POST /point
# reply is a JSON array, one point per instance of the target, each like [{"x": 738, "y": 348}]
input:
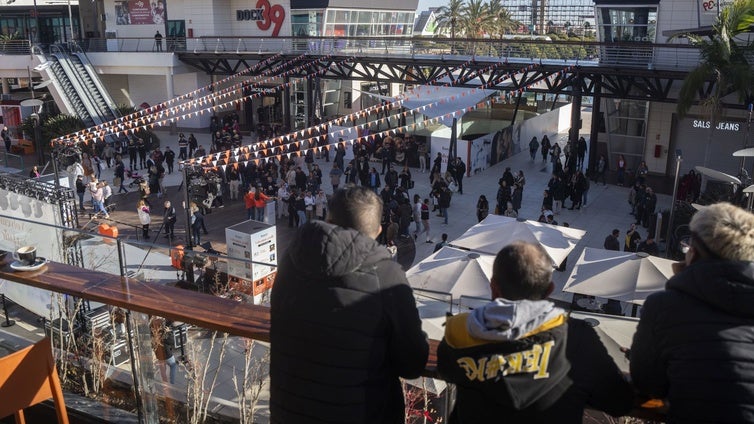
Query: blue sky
[{"x": 426, "y": 4}]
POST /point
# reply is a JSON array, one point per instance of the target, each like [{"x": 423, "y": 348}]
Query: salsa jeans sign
[{"x": 265, "y": 15}]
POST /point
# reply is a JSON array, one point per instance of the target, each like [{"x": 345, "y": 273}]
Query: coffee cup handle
[{"x": 15, "y": 257}]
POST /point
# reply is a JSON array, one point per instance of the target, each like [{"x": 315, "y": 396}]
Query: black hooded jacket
[
  {"x": 547, "y": 373},
  {"x": 695, "y": 344},
  {"x": 344, "y": 328}
]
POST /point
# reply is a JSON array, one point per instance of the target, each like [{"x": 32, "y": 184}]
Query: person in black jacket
[
  {"x": 695, "y": 341},
  {"x": 518, "y": 359},
  {"x": 344, "y": 323},
  {"x": 611, "y": 241}
]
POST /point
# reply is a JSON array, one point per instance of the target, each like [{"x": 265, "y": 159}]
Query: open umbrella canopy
[
  {"x": 496, "y": 232},
  {"x": 717, "y": 175},
  {"x": 455, "y": 271},
  {"x": 625, "y": 276}
]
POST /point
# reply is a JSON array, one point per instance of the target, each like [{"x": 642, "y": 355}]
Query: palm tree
[
  {"x": 723, "y": 59},
  {"x": 501, "y": 17},
  {"x": 450, "y": 16},
  {"x": 476, "y": 19}
]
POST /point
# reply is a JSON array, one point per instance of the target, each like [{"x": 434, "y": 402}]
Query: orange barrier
[{"x": 108, "y": 230}]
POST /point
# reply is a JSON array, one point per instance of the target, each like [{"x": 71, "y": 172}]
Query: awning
[{"x": 435, "y": 101}]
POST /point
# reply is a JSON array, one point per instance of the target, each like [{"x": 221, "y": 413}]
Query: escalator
[
  {"x": 93, "y": 85},
  {"x": 78, "y": 87},
  {"x": 68, "y": 91}
]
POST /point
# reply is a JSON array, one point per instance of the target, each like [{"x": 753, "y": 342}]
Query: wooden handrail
[{"x": 205, "y": 311}]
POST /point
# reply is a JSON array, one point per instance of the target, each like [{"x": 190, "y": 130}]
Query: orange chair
[{"x": 27, "y": 378}]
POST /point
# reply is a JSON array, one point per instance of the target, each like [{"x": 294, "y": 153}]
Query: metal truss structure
[{"x": 555, "y": 77}]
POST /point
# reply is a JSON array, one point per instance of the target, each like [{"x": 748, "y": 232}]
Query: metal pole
[
  {"x": 746, "y": 137},
  {"x": 36, "y": 26},
  {"x": 189, "y": 235},
  {"x": 678, "y": 160},
  {"x": 38, "y": 139},
  {"x": 8, "y": 322},
  {"x": 70, "y": 21},
  {"x": 31, "y": 84}
]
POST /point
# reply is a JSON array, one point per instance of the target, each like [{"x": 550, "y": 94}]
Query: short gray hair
[
  {"x": 726, "y": 230},
  {"x": 356, "y": 207}
]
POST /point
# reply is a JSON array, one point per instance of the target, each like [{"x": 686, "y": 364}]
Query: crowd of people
[{"x": 519, "y": 357}]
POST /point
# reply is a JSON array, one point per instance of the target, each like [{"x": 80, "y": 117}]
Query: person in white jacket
[{"x": 144, "y": 218}]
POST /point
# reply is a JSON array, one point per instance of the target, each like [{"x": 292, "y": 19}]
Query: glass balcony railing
[
  {"x": 520, "y": 48},
  {"x": 153, "y": 331},
  {"x": 157, "y": 334}
]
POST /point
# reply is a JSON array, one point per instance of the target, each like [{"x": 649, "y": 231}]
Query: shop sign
[
  {"x": 265, "y": 15},
  {"x": 721, "y": 126}
]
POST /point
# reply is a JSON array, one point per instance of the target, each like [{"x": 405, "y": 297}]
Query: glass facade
[
  {"x": 306, "y": 23},
  {"x": 54, "y": 26},
  {"x": 541, "y": 16},
  {"x": 626, "y": 125},
  {"x": 624, "y": 24},
  {"x": 352, "y": 23}
]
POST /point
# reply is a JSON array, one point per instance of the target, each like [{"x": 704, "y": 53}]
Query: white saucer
[{"x": 39, "y": 263}]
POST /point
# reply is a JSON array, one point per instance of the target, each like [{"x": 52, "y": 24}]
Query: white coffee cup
[{"x": 26, "y": 255}]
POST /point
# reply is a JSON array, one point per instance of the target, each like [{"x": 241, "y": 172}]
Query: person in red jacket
[
  {"x": 250, "y": 203},
  {"x": 260, "y": 204}
]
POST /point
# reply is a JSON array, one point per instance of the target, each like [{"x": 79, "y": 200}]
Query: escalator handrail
[{"x": 82, "y": 57}]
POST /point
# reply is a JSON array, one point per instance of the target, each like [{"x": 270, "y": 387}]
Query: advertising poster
[
  {"x": 139, "y": 12},
  {"x": 254, "y": 241}
]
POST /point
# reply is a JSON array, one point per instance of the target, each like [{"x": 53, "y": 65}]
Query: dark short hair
[
  {"x": 356, "y": 207},
  {"x": 616, "y": 232},
  {"x": 522, "y": 271}
]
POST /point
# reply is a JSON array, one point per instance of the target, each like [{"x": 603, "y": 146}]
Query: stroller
[{"x": 136, "y": 179}]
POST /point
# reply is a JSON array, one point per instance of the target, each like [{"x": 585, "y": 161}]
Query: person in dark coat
[
  {"x": 694, "y": 344},
  {"x": 459, "y": 173},
  {"x": 545, "y": 147},
  {"x": 611, "y": 241},
  {"x": 649, "y": 246},
  {"x": 581, "y": 150},
  {"x": 482, "y": 352},
  {"x": 344, "y": 323},
  {"x": 650, "y": 203}
]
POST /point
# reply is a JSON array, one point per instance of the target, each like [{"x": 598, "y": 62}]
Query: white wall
[
  {"x": 550, "y": 123},
  {"x": 206, "y": 18}
]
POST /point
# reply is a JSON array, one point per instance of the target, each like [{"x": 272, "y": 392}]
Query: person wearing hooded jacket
[
  {"x": 344, "y": 323},
  {"x": 694, "y": 344},
  {"x": 518, "y": 359}
]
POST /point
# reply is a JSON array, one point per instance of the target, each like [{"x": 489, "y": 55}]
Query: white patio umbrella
[
  {"x": 455, "y": 271},
  {"x": 625, "y": 276},
  {"x": 744, "y": 153},
  {"x": 496, "y": 232},
  {"x": 717, "y": 175}
]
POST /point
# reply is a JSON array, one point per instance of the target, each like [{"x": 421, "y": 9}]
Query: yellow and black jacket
[{"x": 511, "y": 362}]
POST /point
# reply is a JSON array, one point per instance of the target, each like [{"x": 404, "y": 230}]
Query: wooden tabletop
[{"x": 202, "y": 310}]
